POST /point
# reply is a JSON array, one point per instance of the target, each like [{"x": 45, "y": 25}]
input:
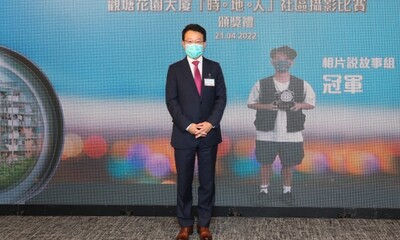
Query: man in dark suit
[{"x": 196, "y": 99}]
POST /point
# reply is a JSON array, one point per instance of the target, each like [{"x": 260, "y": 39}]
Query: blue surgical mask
[
  {"x": 282, "y": 66},
  {"x": 194, "y": 50}
]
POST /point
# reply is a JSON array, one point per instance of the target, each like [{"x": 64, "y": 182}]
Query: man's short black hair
[
  {"x": 289, "y": 52},
  {"x": 196, "y": 28}
]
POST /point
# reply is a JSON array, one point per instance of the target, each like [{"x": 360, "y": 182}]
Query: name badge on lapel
[{"x": 209, "y": 82}]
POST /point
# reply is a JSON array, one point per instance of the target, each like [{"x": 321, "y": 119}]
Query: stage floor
[{"x": 223, "y": 228}]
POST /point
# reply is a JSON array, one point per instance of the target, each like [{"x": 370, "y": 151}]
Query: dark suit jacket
[{"x": 186, "y": 106}]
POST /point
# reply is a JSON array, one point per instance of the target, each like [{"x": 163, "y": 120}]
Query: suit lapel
[
  {"x": 187, "y": 73},
  {"x": 206, "y": 68}
]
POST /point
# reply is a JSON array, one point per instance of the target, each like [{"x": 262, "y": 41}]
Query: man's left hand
[{"x": 202, "y": 129}]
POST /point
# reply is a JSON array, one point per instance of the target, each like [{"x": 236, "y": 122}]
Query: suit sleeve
[{"x": 171, "y": 98}]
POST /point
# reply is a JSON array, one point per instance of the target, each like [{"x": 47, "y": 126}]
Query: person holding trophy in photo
[{"x": 279, "y": 101}]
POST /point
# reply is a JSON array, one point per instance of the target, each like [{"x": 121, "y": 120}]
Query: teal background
[{"x": 89, "y": 52}]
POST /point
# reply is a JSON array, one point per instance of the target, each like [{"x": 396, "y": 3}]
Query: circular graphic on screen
[{"x": 31, "y": 128}]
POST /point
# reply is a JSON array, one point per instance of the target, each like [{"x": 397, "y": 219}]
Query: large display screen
[{"x": 84, "y": 119}]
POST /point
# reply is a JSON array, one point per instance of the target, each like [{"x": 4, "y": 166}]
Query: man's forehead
[{"x": 194, "y": 34}]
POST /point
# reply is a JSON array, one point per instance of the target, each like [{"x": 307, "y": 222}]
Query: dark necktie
[{"x": 197, "y": 76}]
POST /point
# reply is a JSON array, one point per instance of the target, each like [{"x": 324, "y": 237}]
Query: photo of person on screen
[
  {"x": 196, "y": 100},
  {"x": 279, "y": 101}
]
